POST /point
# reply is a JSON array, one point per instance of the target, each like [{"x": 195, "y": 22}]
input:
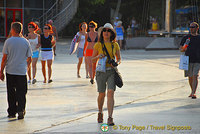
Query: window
[
  {"x": 1, "y": 3},
  {"x": 31, "y": 15},
  {"x": 15, "y": 4},
  {"x": 33, "y": 4}
]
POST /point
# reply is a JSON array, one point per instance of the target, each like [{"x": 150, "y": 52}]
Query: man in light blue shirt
[{"x": 16, "y": 57}]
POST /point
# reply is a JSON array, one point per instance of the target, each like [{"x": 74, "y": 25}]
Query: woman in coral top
[{"x": 92, "y": 38}]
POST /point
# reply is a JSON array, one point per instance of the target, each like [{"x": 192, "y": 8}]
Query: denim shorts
[
  {"x": 105, "y": 79},
  {"x": 35, "y": 54},
  {"x": 79, "y": 52},
  {"x": 120, "y": 37}
]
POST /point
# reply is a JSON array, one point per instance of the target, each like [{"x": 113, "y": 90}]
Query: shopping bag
[
  {"x": 184, "y": 62},
  {"x": 101, "y": 66}
]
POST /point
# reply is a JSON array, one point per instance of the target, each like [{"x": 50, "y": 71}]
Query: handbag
[
  {"x": 184, "y": 62},
  {"x": 101, "y": 66},
  {"x": 117, "y": 77}
]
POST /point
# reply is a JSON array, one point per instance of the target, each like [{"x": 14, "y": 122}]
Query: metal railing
[
  {"x": 61, "y": 13},
  {"x": 66, "y": 14}
]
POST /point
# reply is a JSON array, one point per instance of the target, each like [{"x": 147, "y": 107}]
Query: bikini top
[{"x": 89, "y": 39}]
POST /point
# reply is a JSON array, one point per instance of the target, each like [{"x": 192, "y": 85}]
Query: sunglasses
[
  {"x": 46, "y": 28},
  {"x": 192, "y": 27},
  {"x": 31, "y": 27},
  {"x": 91, "y": 26},
  {"x": 108, "y": 30}
]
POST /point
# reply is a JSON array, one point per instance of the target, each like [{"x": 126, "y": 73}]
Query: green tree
[
  {"x": 88, "y": 10},
  {"x": 99, "y": 11}
]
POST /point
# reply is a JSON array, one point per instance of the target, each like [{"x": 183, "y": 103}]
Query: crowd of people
[{"x": 21, "y": 53}]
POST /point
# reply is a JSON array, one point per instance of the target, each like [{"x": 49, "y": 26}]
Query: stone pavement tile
[{"x": 148, "y": 115}]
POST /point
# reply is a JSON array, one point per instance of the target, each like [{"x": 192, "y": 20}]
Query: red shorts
[{"x": 89, "y": 52}]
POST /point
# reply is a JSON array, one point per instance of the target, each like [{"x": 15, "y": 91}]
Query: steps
[
  {"x": 151, "y": 43},
  {"x": 163, "y": 43},
  {"x": 61, "y": 13}
]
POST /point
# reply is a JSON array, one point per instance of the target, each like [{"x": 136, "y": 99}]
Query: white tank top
[
  {"x": 34, "y": 43},
  {"x": 82, "y": 41}
]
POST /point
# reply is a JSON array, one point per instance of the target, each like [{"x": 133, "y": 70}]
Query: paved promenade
[{"x": 154, "y": 98}]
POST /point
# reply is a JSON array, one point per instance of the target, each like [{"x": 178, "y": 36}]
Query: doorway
[{"x": 12, "y": 15}]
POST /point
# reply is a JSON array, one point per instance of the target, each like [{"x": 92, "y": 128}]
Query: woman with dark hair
[
  {"x": 106, "y": 42},
  {"x": 80, "y": 50},
  {"x": 34, "y": 40},
  {"x": 47, "y": 43},
  {"x": 92, "y": 38}
]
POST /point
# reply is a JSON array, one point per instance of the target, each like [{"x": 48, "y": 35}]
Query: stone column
[{"x": 167, "y": 16}]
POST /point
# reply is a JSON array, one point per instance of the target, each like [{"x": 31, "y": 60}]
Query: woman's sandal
[
  {"x": 50, "y": 81},
  {"x": 194, "y": 96},
  {"x": 78, "y": 76}
]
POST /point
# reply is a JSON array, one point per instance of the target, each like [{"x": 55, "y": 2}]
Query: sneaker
[
  {"x": 100, "y": 118},
  {"x": 34, "y": 81},
  {"x": 50, "y": 81},
  {"x": 87, "y": 77},
  {"x": 194, "y": 96},
  {"x": 11, "y": 116},
  {"x": 29, "y": 81},
  {"x": 110, "y": 122},
  {"x": 21, "y": 115},
  {"x": 92, "y": 81}
]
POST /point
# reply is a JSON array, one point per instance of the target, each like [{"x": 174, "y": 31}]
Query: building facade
[{"x": 21, "y": 10}]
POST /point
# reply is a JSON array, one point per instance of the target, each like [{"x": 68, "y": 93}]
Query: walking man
[
  {"x": 192, "y": 49},
  {"x": 16, "y": 57}
]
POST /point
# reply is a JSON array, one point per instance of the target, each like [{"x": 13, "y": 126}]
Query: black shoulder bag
[{"x": 117, "y": 77}]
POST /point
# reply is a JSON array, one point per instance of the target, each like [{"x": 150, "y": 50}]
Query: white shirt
[
  {"x": 34, "y": 43},
  {"x": 82, "y": 41}
]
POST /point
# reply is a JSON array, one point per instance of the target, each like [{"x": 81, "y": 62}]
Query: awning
[{"x": 186, "y": 10}]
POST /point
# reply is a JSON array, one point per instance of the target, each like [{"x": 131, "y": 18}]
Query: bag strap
[{"x": 104, "y": 48}]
